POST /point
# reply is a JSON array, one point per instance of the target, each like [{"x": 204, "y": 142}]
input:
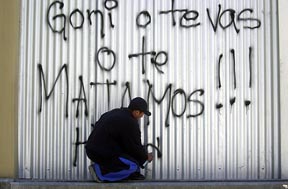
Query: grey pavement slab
[{"x": 37, "y": 184}]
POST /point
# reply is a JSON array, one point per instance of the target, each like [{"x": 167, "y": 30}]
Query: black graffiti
[
  {"x": 250, "y": 67},
  {"x": 169, "y": 88},
  {"x": 158, "y": 60},
  {"x": 197, "y": 102},
  {"x": 128, "y": 89},
  {"x": 186, "y": 100},
  {"x": 219, "y": 106},
  {"x": 145, "y": 14},
  {"x": 186, "y": 18},
  {"x": 182, "y": 92},
  {"x": 57, "y": 6},
  {"x": 108, "y": 51},
  {"x": 82, "y": 19},
  {"x": 171, "y": 100},
  {"x": 189, "y": 15},
  {"x": 143, "y": 54},
  {"x": 108, "y": 84},
  {"x": 159, "y": 64},
  {"x": 173, "y": 11},
  {"x": 159, "y": 153},
  {"x": 79, "y": 99},
  {"x": 232, "y": 51},
  {"x": 110, "y": 18},
  {"x": 157, "y": 148},
  {"x": 48, "y": 95},
  {"x": 232, "y": 101},
  {"x": 218, "y": 71},
  {"x": 171, "y": 96},
  {"x": 232, "y": 22},
  {"x": 77, "y": 143},
  {"x": 234, "y": 68},
  {"x": 154, "y": 59},
  {"x": 231, "y": 12},
  {"x": 110, "y": 8},
  {"x": 63, "y": 29},
  {"x": 234, "y": 17},
  {"x": 247, "y": 102},
  {"x": 158, "y": 141},
  {"x": 97, "y": 12},
  {"x": 258, "y": 22}
]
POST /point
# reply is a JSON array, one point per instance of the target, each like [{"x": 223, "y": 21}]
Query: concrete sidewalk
[{"x": 32, "y": 184}]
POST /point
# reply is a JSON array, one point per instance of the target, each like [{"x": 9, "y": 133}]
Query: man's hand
[{"x": 150, "y": 157}]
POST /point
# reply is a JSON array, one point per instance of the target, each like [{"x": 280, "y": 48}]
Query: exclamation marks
[
  {"x": 234, "y": 68},
  {"x": 248, "y": 102},
  {"x": 219, "y": 105},
  {"x": 232, "y": 100},
  {"x": 250, "y": 67}
]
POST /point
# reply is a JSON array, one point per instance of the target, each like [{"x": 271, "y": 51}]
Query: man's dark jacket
[{"x": 117, "y": 132}]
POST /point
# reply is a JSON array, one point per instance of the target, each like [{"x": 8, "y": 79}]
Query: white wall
[
  {"x": 226, "y": 140},
  {"x": 283, "y": 43}
]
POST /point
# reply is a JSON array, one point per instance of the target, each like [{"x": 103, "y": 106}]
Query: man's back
[
  {"x": 115, "y": 147},
  {"x": 115, "y": 133}
]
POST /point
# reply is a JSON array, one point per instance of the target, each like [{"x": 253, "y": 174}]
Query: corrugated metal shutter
[{"x": 209, "y": 70}]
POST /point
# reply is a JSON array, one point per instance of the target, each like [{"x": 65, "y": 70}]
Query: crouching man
[{"x": 115, "y": 146}]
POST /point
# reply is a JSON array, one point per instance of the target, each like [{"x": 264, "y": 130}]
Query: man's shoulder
[{"x": 120, "y": 114}]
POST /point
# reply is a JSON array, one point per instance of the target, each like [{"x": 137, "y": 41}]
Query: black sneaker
[{"x": 136, "y": 176}]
